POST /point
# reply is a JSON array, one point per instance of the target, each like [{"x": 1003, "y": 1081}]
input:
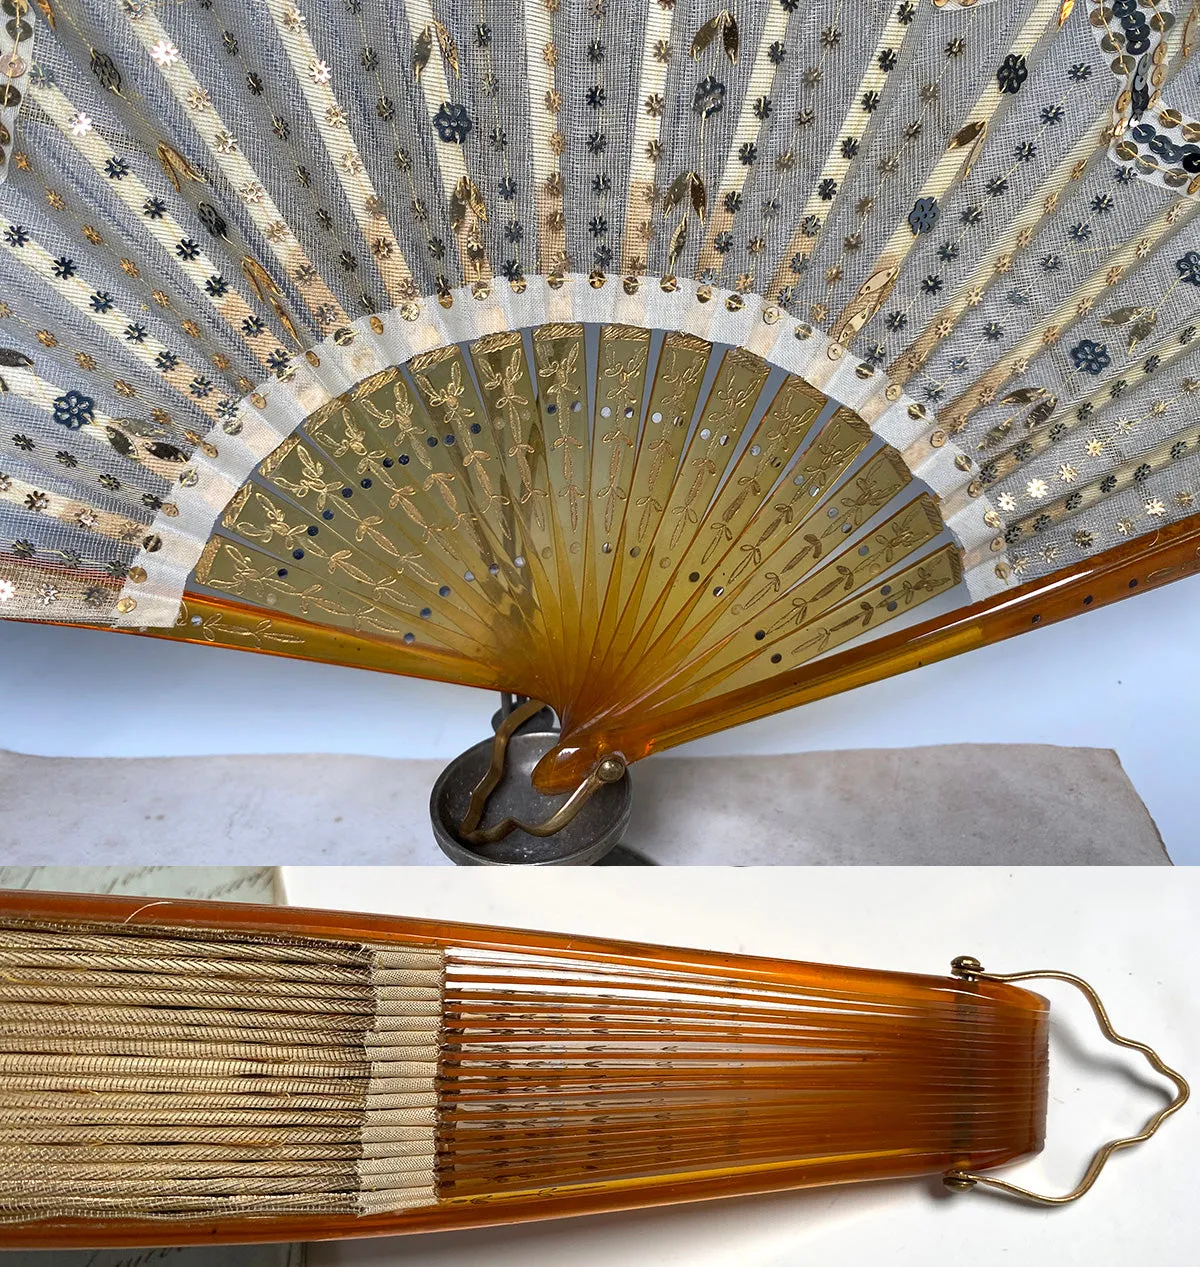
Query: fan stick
[
  {"x": 1139, "y": 564},
  {"x": 741, "y": 500},
  {"x": 616, "y": 428},
  {"x": 786, "y": 585}
]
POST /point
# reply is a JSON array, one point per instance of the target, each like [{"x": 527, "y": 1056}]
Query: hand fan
[
  {"x": 178, "y": 1072},
  {"x": 659, "y": 362}
]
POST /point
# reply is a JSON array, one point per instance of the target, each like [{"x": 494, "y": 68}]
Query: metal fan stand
[{"x": 491, "y": 783}]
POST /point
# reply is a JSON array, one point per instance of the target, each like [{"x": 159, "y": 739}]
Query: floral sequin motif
[
  {"x": 74, "y": 410},
  {"x": 1013, "y": 72},
  {"x": 453, "y": 122},
  {"x": 924, "y": 215},
  {"x": 1188, "y": 267},
  {"x": 1090, "y": 357}
]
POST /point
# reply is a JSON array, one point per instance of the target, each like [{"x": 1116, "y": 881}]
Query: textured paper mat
[{"x": 991, "y": 804}]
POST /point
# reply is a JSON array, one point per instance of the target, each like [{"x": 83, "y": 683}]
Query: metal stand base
[{"x": 594, "y": 832}]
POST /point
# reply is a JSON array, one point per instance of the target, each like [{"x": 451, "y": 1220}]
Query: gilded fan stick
[
  {"x": 658, "y": 362},
  {"x": 198, "y": 1072}
]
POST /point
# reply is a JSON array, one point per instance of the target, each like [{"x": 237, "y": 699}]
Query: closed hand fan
[
  {"x": 197, "y": 1072},
  {"x": 664, "y": 364}
]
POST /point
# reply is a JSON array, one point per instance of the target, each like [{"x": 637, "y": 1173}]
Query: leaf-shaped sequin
[
  {"x": 679, "y": 240},
  {"x": 166, "y": 452},
  {"x": 725, "y": 25},
  {"x": 119, "y": 441},
  {"x": 106, "y": 72},
  {"x": 1122, "y": 316},
  {"x": 699, "y": 194},
  {"x": 730, "y": 36},
  {"x": 449, "y": 48},
  {"x": 705, "y": 36},
  {"x": 422, "y": 47},
  {"x": 1142, "y": 328}
]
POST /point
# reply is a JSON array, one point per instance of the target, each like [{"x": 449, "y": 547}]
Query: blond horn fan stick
[{"x": 658, "y": 364}]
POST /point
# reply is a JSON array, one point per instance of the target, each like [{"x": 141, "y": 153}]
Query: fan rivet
[
  {"x": 481, "y": 291},
  {"x": 963, "y": 462},
  {"x": 997, "y": 544},
  {"x": 556, "y": 281},
  {"x": 610, "y": 770},
  {"x": 771, "y": 314},
  {"x": 993, "y": 520},
  {"x": 916, "y": 410},
  {"x": 704, "y": 294},
  {"x": 974, "y": 489},
  {"x": 893, "y": 392},
  {"x": 376, "y": 325},
  {"x": 126, "y": 605},
  {"x": 669, "y": 284},
  {"x": 596, "y": 279},
  {"x": 864, "y": 371},
  {"x": 835, "y": 351},
  {"x": 258, "y": 400},
  {"x": 803, "y": 330},
  {"x": 631, "y": 285},
  {"x": 232, "y": 427},
  {"x": 137, "y": 575},
  {"x": 937, "y": 439},
  {"x": 343, "y": 336},
  {"x": 1002, "y": 571}
]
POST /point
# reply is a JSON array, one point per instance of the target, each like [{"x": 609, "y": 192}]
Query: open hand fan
[
  {"x": 182, "y": 1072},
  {"x": 644, "y": 358}
]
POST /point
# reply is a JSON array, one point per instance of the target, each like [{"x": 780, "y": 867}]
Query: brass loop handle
[
  {"x": 610, "y": 770},
  {"x": 969, "y": 969}
]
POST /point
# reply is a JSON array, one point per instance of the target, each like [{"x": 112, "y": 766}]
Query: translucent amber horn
[{"x": 182, "y": 1072}]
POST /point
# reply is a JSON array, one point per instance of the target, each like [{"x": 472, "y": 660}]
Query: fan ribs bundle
[{"x": 214, "y": 1073}]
